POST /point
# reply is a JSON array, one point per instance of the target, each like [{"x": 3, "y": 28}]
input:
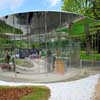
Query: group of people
[{"x": 48, "y": 55}]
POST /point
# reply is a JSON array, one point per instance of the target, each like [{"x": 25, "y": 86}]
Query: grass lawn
[
  {"x": 24, "y": 93},
  {"x": 41, "y": 94},
  {"x": 23, "y": 62},
  {"x": 20, "y": 62}
]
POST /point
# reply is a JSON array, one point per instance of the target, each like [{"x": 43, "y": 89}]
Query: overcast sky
[{"x": 15, "y": 6}]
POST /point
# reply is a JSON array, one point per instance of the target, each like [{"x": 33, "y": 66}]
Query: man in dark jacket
[{"x": 7, "y": 57}]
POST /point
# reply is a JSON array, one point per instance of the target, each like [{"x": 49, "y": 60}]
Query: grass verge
[{"x": 24, "y": 93}]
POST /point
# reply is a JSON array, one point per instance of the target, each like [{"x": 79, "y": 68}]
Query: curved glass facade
[{"x": 40, "y": 46}]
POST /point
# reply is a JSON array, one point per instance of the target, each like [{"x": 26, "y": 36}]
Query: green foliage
[
  {"x": 7, "y": 43},
  {"x": 20, "y": 43},
  {"x": 35, "y": 45},
  {"x": 5, "y": 28},
  {"x": 77, "y": 29},
  {"x": 77, "y": 6},
  {"x": 90, "y": 8},
  {"x": 94, "y": 56},
  {"x": 2, "y": 60}
]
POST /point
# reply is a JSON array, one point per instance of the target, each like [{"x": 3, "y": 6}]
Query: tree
[
  {"x": 90, "y": 8},
  {"x": 78, "y": 6}
]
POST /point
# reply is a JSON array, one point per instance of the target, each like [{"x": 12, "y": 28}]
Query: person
[
  {"x": 13, "y": 62},
  {"x": 7, "y": 57},
  {"x": 49, "y": 61},
  {"x": 54, "y": 59}
]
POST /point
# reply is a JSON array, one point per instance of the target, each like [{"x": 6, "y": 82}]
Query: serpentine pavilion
[{"x": 48, "y": 46}]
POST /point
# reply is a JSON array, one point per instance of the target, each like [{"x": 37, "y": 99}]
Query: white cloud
[
  {"x": 16, "y": 3},
  {"x": 10, "y": 4},
  {"x": 54, "y": 2}
]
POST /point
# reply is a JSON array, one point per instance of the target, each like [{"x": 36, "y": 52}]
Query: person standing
[
  {"x": 13, "y": 62},
  {"x": 49, "y": 61},
  {"x": 7, "y": 57}
]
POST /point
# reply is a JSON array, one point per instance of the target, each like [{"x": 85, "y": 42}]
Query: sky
[{"x": 16, "y": 6}]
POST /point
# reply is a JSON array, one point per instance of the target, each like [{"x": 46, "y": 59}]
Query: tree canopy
[{"x": 90, "y": 8}]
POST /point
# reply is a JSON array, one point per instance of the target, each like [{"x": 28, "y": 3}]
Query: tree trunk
[
  {"x": 98, "y": 41},
  {"x": 88, "y": 39}
]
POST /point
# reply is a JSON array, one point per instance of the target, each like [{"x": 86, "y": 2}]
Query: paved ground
[
  {"x": 70, "y": 75},
  {"x": 38, "y": 73},
  {"x": 83, "y": 89},
  {"x": 44, "y": 77}
]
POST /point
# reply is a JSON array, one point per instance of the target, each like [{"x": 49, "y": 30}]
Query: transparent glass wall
[{"x": 46, "y": 44}]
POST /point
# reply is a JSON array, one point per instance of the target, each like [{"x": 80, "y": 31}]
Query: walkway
[
  {"x": 40, "y": 78},
  {"x": 83, "y": 89}
]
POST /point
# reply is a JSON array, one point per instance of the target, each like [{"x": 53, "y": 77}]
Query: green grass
[
  {"x": 94, "y": 56},
  {"x": 23, "y": 62},
  {"x": 39, "y": 93}
]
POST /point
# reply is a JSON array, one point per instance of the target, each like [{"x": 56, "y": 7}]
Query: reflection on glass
[{"x": 45, "y": 43}]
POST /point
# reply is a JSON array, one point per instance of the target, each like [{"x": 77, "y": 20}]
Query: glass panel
[{"x": 40, "y": 46}]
